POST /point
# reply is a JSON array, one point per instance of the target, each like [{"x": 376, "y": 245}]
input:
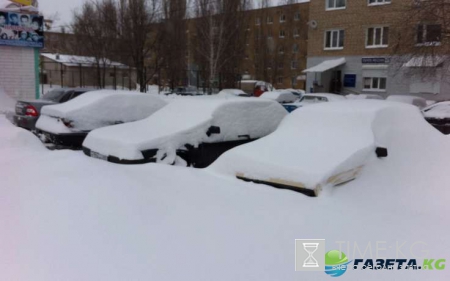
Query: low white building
[{"x": 21, "y": 37}]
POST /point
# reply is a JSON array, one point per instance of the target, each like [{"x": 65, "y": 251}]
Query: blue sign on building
[{"x": 350, "y": 80}]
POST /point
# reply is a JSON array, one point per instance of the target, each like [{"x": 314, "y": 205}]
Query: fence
[{"x": 78, "y": 75}]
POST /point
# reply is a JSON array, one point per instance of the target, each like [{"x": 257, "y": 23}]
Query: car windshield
[
  {"x": 54, "y": 95},
  {"x": 314, "y": 99}
]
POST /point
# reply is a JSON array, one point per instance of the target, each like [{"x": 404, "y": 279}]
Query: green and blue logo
[{"x": 336, "y": 263}]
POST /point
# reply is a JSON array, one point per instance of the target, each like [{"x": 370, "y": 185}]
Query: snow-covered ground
[{"x": 65, "y": 216}]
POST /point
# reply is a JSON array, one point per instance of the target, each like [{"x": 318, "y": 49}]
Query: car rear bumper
[
  {"x": 26, "y": 122},
  {"x": 73, "y": 140}
]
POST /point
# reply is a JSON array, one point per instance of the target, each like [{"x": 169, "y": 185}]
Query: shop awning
[
  {"x": 325, "y": 65},
  {"x": 425, "y": 61}
]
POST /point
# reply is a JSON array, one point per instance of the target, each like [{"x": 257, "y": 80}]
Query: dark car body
[
  {"x": 27, "y": 112},
  {"x": 438, "y": 115}
]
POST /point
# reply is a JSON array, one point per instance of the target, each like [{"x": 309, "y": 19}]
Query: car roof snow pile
[
  {"x": 186, "y": 122},
  {"x": 98, "y": 109},
  {"x": 320, "y": 145}
]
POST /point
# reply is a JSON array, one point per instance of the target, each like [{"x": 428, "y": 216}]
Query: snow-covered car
[
  {"x": 299, "y": 93},
  {"x": 232, "y": 93},
  {"x": 323, "y": 145},
  {"x": 364, "y": 97},
  {"x": 438, "y": 115},
  {"x": 189, "y": 132},
  {"x": 28, "y": 111},
  {"x": 68, "y": 124},
  {"x": 282, "y": 96},
  {"x": 309, "y": 99},
  {"x": 413, "y": 100}
]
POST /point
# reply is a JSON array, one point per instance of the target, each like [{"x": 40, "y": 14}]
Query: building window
[
  {"x": 294, "y": 64},
  {"x": 283, "y": 18},
  {"x": 377, "y": 37},
  {"x": 375, "y": 83},
  {"x": 335, "y": 4},
  {"x": 296, "y": 33},
  {"x": 281, "y": 50},
  {"x": 280, "y": 80},
  {"x": 429, "y": 33},
  {"x": 282, "y": 33},
  {"x": 334, "y": 39},
  {"x": 379, "y": 2},
  {"x": 280, "y": 65},
  {"x": 297, "y": 16},
  {"x": 295, "y": 49},
  {"x": 294, "y": 81},
  {"x": 269, "y": 19},
  {"x": 258, "y": 21}
]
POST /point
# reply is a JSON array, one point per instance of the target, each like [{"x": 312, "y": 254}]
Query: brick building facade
[
  {"x": 351, "y": 49},
  {"x": 276, "y": 45}
]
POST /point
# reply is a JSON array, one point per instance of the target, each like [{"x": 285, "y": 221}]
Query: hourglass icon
[{"x": 310, "y": 248}]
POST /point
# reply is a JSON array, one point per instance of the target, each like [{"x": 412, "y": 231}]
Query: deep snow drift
[
  {"x": 7, "y": 103},
  {"x": 64, "y": 216}
]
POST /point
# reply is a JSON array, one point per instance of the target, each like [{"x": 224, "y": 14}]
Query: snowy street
[{"x": 65, "y": 216}]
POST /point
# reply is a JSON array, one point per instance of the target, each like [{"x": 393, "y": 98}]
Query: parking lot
[{"x": 64, "y": 214}]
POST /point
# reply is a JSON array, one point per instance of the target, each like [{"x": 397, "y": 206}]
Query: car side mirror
[
  {"x": 381, "y": 152},
  {"x": 213, "y": 130}
]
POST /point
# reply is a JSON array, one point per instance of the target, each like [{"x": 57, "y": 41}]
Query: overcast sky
[{"x": 63, "y": 7}]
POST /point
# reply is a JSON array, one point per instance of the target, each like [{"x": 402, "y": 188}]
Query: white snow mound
[
  {"x": 7, "y": 103},
  {"x": 313, "y": 145},
  {"x": 186, "y": 122},
  {"x": 280, "y": 96},
  {"x": 98, "y": 109}
]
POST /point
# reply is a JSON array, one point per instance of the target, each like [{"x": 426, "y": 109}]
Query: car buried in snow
[
  {"x": 309, "y": 99},
  {"x": 189, "y": 132},
  {"x": 438, "y": 115},
  {"x": 28, "y": 111},
  {"x": 67, "y": 125},
  {"x": 327, "y": 144}
]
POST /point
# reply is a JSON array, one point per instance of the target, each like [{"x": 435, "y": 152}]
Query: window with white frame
[
  {"x": 282, "y": 33},
  {"x": 377, "y": 37},
  {"x": 429, "y": 33},
  {"x": 379, "y": 2},
  {"x": 280, "y": 80},
  {"x": 335, "y": 4},
  {"x": 258, "y": 21},
  {"x": 334, "y": 39},
  {"x": 269, "y": 19},
  {"x": 282, "y": 18},
  {"x": 295, "y": 48},
  {"x": 281, "y": 50},
  {"x": 296, "y": 33},
  {"x": 297, "y": 16},
  {"x": 375, "y": 83},
  {"x": 294, "y": 64}
]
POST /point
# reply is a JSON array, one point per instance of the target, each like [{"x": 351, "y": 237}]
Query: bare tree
[
  {"x": 95, "y": 28},
  {"x": 422, "y": 40},
  {"x": 219, "y": 42},
  {"x": 139, "y": 25},
  {"x": 174, "y": 27}
]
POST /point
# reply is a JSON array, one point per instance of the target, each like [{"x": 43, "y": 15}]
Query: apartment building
[
  {"x": 276, "y": 45},
  {"x": 352, "y": 48}
]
